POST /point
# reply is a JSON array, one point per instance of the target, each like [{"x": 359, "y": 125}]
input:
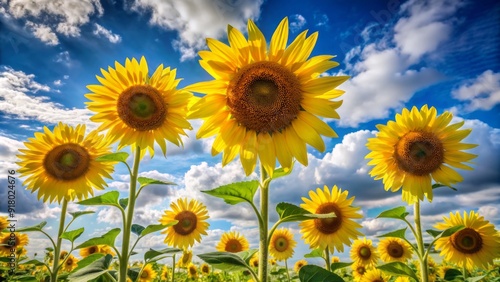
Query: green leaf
[
  {"x": 445, "y": 233},
  {"x": 113, "y": 157},
  {"x": 73, "y": 234},
  {"x": 133, "y": 273},
  {"x": 107, "y": 199},
  {"x": 400, "y": 233},
  {"x": 452, "y": 274},
  {"x": 397, "y": 212},
  {"x": 87, "y": 260},
  {"x": 316, "y": 253},
  {"x": 280, "y": 271},
  {"x": 137, "y": 229},
  {"x": 144, "y": 181},
  {"x": 149, "y": 255},
  {"x": 289, "y": 212},
  {"x": 225, "y": 261},
  {"x": 26, "y": 278},
  {"x": 156, "y": 227},
  {"x": 37, "y": 227},
  {"x": 34, "y": 262},
  {"x": 77, "y": 214},
  {"x": 314, "y": 273},
  {"x": 433, "y": 233},
  {"x": 246, "y": 255},
  {"x": 280, "y": 172},
  {"x": 398, "y": 268},
  {"x": 339, "y": 265},
  {"x": 106, "y": 239},
  {"x": 92, "y": 271},
  {"x": 435, "y": 186},
  {"x": 235, "y": 193},
  {"x": 123, "y": 203}
]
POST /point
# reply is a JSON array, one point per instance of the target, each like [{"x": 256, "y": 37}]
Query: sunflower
[
  {"x": 192, "y": 271},
  {"x": 374, "y": 275},
  {"x": 475, "y": 245},
  {"x": 205, "y": 269},
  {"x": 191, "y": 217},
  {"x": 416, "y": 148},
  {"x": 4, "y": 223},
  {"x": 363, "y": 252},
  {"x": 62, "y": 164},
  {"x": 299, "y": 264},
  {"x": 147, "y": 274},
  {"x": 187, "y": 256},
  {"x": 87, "y": 251},
  {"x": 107, "y": 250},
  {"x": 394, "y": 249},
  {"x": 282, "y": 244},
  {"x": 139, "y": 109},
  {"x": 330, "y": 232},
  {"x": 63, "y": 255},
  {"x": 335, "y": 259},
  {"x": 359, "y": 270},
  {"x": 232, "y": 242},
  {"x": 264, "y": 102},
  {"x": 12, "y": 241},
  {"x": 254, "y": 260},
  {"x": 403, "y": 279},
  {"x": 165, "y": 274},
  {"x": 70, "y": 263}
]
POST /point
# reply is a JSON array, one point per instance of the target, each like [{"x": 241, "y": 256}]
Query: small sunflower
[
  {"x": 165, "y": 274},
  {"x": 62, "y": 164},
  {"x": 4, "y": 223},
  {"x": 232, "y": 242},
  {"x": 394, "y": 249},
  {"x": 418, "y": 147},
  {"x": 254, "y": 261},
  {"x": 205, "y": 269},
  {"x": 139, "y": 109},
  {"x": 63, "y": 255},
  {"x": 478, "y": 244},
  {"x": 264, "y": 102},
  {"x": 191, "y": 217},
  {"x": 70, "y": 263},
  {"x": 185, "y": 260},
  {"x": 9, "y": 241},
  {"x": 330, "y": 232},
  {"x": 282, "y": 244},
  {"x": 107, "y": 250},
  {"x": 87, "y": 251},
  {"x": 192, "y": 271},
  {"x": 359, "y": 270},
  {"x": 363, "y": 252},
  {"x": 335, "y": 259},
  {"x": 299, "y": 264},
  {"x": 147, "y": 274},
  {"x": 374, "y": 275}
]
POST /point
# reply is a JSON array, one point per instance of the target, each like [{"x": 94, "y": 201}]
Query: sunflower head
[
  {"x": 362, "y": 251},
  {"x": 192, "y": 271},
  {"x": 165, "y": 274},
  {"x": 139, "y": 109},
  {"x": 477, "y": 244},
  {"x": 191, "y": 219},
  {"x": 359, "y": 270},
  {"x": 87, "y": 251},
  {"x": 299, "y": 264},
  {"x": 61, "y": 164},
  {"x": 374, "y": 275},
  {"x": 3, "y": 223},
  {"x": 70, "y": 263},
  {"x": 205, "y": 269},
  {"x": 416, "y": 148},
  {"x": 185, "y": 260},
  {"x": 11, "y": 241},
  {"x": 282, "y": 244},
  {"x": 334, "y": 232},
  {"x": 263, "y": 102},
  {"x": 394, "y": 249},
  {"x": 147, "y": 274},
  {"x": 232, "y": 242},
  {"x": 254, "y": 261}
]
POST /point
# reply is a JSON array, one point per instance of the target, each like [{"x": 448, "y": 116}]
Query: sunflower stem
[
  {"x": 420, "y": 244},
  {"x": 287, "y": 271},
  {"x": 464, "y": 269},
  {"x": 264, "y": 212},
  {"x": 127, "y": 224},
  {"x": 57, "y": 251},
  {"x": 173, "y": 268},
  {"x": 327, "y": 259}
]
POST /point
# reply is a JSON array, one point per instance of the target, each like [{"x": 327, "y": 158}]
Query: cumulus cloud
[
  {"x": 481, "y": 93},
  {"x": 106, "y": 33},
  {"x": 297, "y": 22},
  {"x": 44, "y": 33},
  {"x": 184, "y": 17}
]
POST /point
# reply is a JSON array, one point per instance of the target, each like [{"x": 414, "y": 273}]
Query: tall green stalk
[
  {"x": 424, "y": 271},
  {"x": 127, "y": 224},
  {"x": 57, "y": 251},
  {"x": 264, "y": 224},
  {"x": 327, "y": 259}
]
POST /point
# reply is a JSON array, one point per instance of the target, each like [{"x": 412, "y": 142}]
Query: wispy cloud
[
  {"x": 481, "y": 93},
  {"x": 297, "y": 22},
  {"x": 106, "y": 33}
]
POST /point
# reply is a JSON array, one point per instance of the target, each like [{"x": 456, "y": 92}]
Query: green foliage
[
  {"x": 150, "y": 255},
  {"x": 144, "y": 181},
  {"x": 73, "y": 234},
  {"x": 289, "y": 212},
  {"x": 107, "y": 199},
  {"x": 235, "y": 193},
  {"x": 225, "y": 261},
  {"x": 77, "y": 214},
  {"x": 92, "y": 271},
  {"x": 106, "y": 239},
  {"x": 316, "y": 253},
  {"x": 113, "y": 157},
  {"x": 397, "y": 213},
  {"x": 314, "y": 273},
  {"x": 340, "y": 265},
  {"x": 37, "y": 227},
  {"x": 400, "y": 233},
  {"x": 398, "y": 268}
]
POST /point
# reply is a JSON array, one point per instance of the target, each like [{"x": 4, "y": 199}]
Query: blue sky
[{"x": 398, "y": 54}]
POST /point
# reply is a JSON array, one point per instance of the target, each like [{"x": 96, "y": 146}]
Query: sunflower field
[{"x": 266, "y": 103}]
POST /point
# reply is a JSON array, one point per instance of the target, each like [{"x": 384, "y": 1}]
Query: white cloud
[
  {"x": 321, "y": 19},
  {"x": 57, "y": 82},
  {"x": 481, "y": 93},
  {"x": 108, "y": 34},
  {"x": 44, "y": 33},
  {"x": 297, "y": 22},
  {"x": 184, "y": 16},
  {"x": 489, "y": 212},
  {"x": 63, "y": 58}
]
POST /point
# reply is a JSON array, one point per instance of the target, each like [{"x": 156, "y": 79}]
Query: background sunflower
[
  {"x": 394, "y": 249},
  {"x": 232, "y": 242},
  {"x": 282, "y": 244},
  {"x": 363, "y": 252}
]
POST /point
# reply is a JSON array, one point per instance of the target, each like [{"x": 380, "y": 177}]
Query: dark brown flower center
[
  {"x": 187, "y": 222},
  {"x": 328, "y": 225},
  {"x": 192, "y": 270},
  {"x": 419, "y": 153},
  {"x": 264, "y": 96},
  {"x": 467, "y": 241},
  {"x": 69, "y": 261},
  {"x": 361, "y": 270},
  {"x": 142, "y": 107},
  {"x": 395, "y": 250},
  {"x": 67, "y": 162},
  {"x": 92, "y": 249},
  {"x": 281, "y": 244},
  {"x": 233, "y": 246},
  {"x": 144, "y": 274},
  {"x": 205, "y": 268},
  {"x": 364, "y": 252}
]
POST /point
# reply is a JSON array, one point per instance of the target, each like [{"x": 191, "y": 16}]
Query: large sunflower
[
  {"x": 330, "y": 232},
  {"x": 416, "y": 148},
  {"x": 394, "y": 249},
  {"x": 62, "y": 164},
  {"x": 263, "y": 102},
  {"x": 137, "y": 108},
  {"x": 232, "y": 242},
  {"x": 363, "y": 252},
  {"x": 475, "y": 245},
  {"x": 282, "y": 244},
  {"x": 12, "y": 241},
  {"x": 147, "y": 274},
  {"x": 191, "y": 217}
]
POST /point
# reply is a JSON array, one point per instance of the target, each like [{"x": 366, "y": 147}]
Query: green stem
[
  {"x": 287, "y": 272},
  {"x": 173, "y": 268},
  {"x": 420, "y": 243},
  {"x": 464, "y": 269},
  {"x": 127, "y": 224},
  {"x": 264, "y": 213},
  {"x": 57, "y": 251},
  {"x": 327, "y": 259}
]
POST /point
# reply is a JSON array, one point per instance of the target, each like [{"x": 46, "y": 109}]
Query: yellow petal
[
  {"x": 257, "y": 42},
  {"x": 278, "y": 41}
]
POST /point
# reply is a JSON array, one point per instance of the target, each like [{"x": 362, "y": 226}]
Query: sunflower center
[
  {"x": 264, "y": 96},
  {"x": 192, "y": 270},
  {"x": 328, "y": 225},
  {"x": 281, "y": 244},
  {"x": 69, "y": 261},
  {"x": 144, "y": 274},
  {"x": 233, "y": 246},
  {"x": 361, "y": 270},
  {"x": 365, "y": 252},
  {"x": 187, "y": 222},
  {"x": 67, "y": 161},
  {"x": 419, "y": 153},
  {"x": 92, "y": 249},
  {"x": 142, "y": 107},
  {"x": 467, "y": 241},
  {"x": 395, "y": 250}
]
